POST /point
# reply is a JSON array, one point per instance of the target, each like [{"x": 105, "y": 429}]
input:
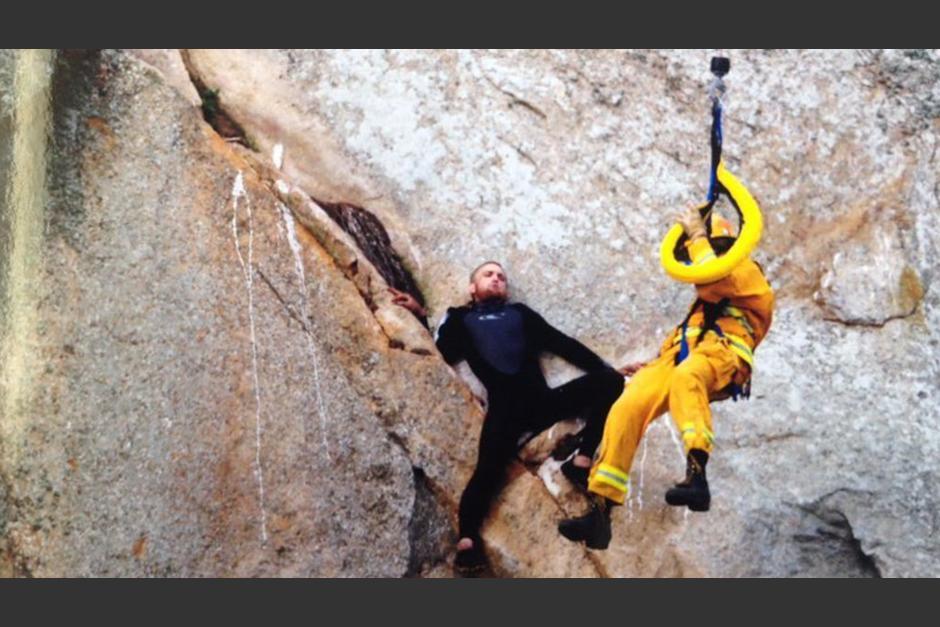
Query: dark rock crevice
[
  {"x": 212, "y": 110},
  {"x": 836, "y": 531},
  {"x": 430, "y": 531},
  {"x": 373, "y": 241},
  {"x": 344, "y": 255}
]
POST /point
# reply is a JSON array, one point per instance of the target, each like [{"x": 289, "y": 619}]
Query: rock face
[
  {"x": 870, "y": 281},
  {"x": 208, "y": 376}
]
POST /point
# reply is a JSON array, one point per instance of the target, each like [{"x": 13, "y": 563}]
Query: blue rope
[{"x": 716, "y": 150}]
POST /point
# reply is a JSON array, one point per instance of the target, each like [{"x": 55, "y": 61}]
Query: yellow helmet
[{"x": 720, "y": 227}]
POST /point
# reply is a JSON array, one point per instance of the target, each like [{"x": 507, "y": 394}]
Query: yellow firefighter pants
[{"x": 660, "y": 385}]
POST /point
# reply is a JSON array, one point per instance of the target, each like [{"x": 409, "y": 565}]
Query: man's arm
[
  {"x": 409, "y": 302},
  {"x": 631, "y": 369},
  {"x": 448, "y": 337},
  {"x": 700, "y": 251},
  {"x": 568, "y": 348}
]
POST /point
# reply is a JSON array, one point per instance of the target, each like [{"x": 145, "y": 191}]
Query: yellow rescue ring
[{"x": 717, "y": 268}]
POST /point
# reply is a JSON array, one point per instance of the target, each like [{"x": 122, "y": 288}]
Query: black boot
[
  {"x": 471, "y": 562},
  {"x": 693, "y": 491},
  {"x": 593, "y": 528}
]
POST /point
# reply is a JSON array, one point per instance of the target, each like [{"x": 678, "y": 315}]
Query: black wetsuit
[{"x": 502, "y": 342}]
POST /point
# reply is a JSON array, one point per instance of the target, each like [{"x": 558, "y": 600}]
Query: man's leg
[
  {"x": 709, "y": 368},
  {"x": 497, "y": 448},
  {"x": 589, "y": 396},
  {"x": 643, "y": 400}
]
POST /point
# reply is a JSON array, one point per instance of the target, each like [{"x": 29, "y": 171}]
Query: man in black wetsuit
[{"x": 502, "y": 341}]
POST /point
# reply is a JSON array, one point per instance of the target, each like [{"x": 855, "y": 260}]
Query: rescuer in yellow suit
[{"x": 709, "y": 356}]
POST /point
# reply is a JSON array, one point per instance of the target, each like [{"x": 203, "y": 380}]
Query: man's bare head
[{"x": 488, "y": 282}]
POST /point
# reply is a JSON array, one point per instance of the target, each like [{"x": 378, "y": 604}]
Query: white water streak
[
  {"x": 639, "y": 492},
  {"x": 675, "y": 439},
  {"x": 547, "y": 472},
  {"x": 238, "y": 191},
  {"x": 299, "y": 266}
]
